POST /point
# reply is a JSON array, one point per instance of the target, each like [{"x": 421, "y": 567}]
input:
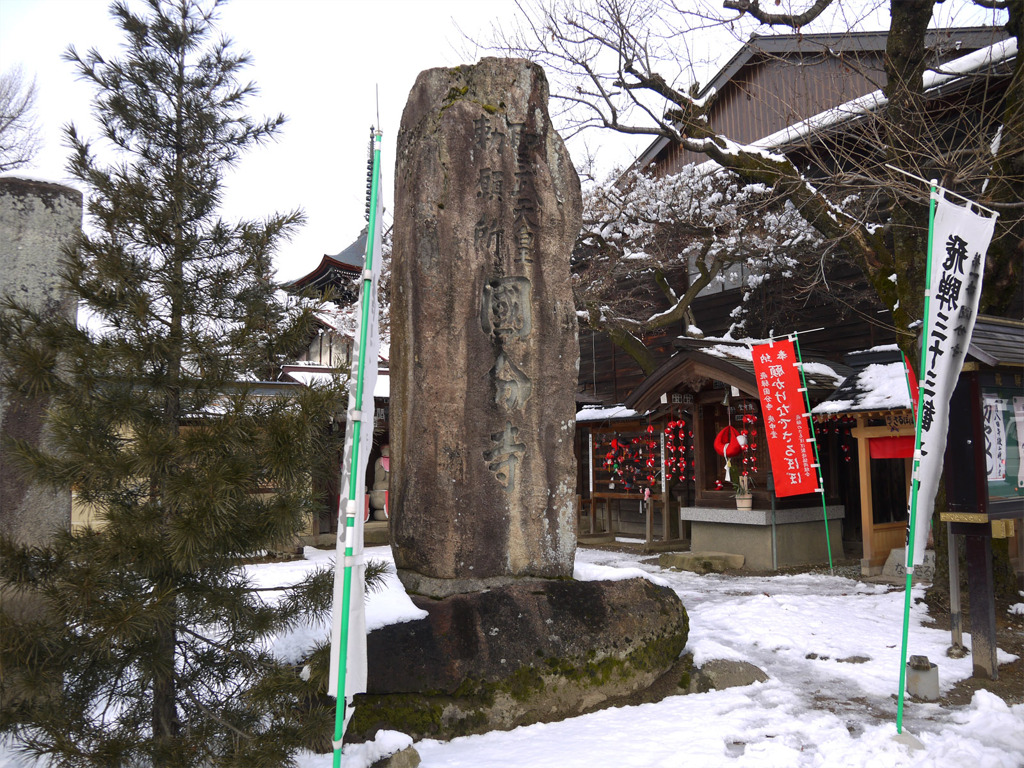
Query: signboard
[{"x": 785, "y": 418}]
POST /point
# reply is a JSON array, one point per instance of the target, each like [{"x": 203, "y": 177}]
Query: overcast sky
[{"x": 320, "y": 62}]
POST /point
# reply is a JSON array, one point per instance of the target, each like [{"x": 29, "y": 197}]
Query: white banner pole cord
[
  {"x": 912, "y": 517},
  {"x": 348, "y": 631}
]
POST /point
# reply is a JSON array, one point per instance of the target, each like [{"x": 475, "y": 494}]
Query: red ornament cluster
[
  {"x": 841, "y": 427},
  {"x": 633, "y": 462},
  {"x": 678, "y": 451},
  {"x": 749, "y": 431}
]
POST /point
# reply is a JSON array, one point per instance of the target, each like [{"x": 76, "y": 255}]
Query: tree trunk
[
  {"x": 904, "y": 70},
  {"x": 166, "y": 726}
]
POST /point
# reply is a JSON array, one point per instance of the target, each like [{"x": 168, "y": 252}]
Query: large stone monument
[
  {"x": 485, "y": 352},
  {"x": 37, "y": 220},
  {"x": 483, "y": 377}
]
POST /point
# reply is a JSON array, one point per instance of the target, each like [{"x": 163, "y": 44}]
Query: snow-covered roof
[
  {"x": 820, "y": 374},
  {"x": 877, "y": 387},
  {"x": 606, "y": 413},
  {"x": 729, "y": 361},
  {"x": 22, "y": 175},
  {"x": 970, "y": 37},
  {"x": 880, "y": 383},
  {"x": 311, "y": 377},
  {"x": 975, "y": 61},
  {"x": 314, "y": 373}
]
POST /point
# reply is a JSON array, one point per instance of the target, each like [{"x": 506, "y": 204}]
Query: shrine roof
[
  {"x": 312, "y": 373},
  {"x": 729, "y": 361},
  {"x": 877, "y": 386},
  {"x": 879, "y": 382},
  {"x": 997, "y": 341}
]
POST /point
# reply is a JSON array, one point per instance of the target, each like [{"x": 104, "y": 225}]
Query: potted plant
[{"x": 742, "y": 492}]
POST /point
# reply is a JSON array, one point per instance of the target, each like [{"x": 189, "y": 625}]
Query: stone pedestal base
[
  {"x": 799, "y": 534},
  {"x": 523, "y": 653}
]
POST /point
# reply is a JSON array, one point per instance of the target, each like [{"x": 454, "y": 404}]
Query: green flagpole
[
  {"x": 912, "y": 522},
  {"x": 357, "y": 424},
  {"x": 814, "y": 443}
]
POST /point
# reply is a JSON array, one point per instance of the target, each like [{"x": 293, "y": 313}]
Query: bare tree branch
[
  {"x": 620, "y": 64},
  {"x": 19, "y": 134},
  {"x": 794, "y": 20}
]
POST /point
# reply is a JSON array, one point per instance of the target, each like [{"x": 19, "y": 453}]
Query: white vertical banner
[
  {"x": 350, "y": 537},
  {"x": 959, "y": 239},
  {"x": 994, "y": 430}
]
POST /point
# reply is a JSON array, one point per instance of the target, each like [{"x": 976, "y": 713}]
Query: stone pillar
[
  {"x": 484, "y": 354},
  {"x": 37, "y": 219}
]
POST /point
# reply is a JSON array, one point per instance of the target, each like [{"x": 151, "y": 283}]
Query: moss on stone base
[
  {"x": 536, "y": 651},
  {"x": 518, "y": 699},
  {"x": 414, "y": 713}
]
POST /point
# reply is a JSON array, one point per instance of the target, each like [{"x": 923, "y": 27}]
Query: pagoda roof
[{"x": 339, "y": 273}]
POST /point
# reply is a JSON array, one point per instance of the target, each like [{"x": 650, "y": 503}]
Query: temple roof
[{"x": 339, "y": 273}]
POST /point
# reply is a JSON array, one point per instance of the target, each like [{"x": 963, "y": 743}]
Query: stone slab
[
  {"x": 37, "y": 220},
  {"x": 719, "y": 674},
  {"x": 701, "y": 562},
  {"x": 896, "y": 566},
  {"x": 405, "y": 758},
  {"x": 760, "y": 516}
]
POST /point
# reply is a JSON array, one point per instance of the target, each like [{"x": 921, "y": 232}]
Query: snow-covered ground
[{"x": 830, "y": 646}]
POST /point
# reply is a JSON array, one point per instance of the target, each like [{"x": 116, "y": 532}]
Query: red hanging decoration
[{"x": 727, "y": 443}]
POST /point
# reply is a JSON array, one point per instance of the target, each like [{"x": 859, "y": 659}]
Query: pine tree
[{"x": 148, "y": 645}]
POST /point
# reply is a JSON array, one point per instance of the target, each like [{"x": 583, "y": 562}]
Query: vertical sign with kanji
[
  {"x": 959, "y": 240},
  {"x": 785, "y": 418}
]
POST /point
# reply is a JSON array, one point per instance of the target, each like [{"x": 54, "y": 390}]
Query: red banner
[
  {"x": 785, "y": 419},
  {"x": 914, "y": 389}
]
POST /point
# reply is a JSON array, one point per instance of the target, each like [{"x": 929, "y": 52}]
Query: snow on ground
[
  {"x": 389, "y": 606},
  {"x": 830, "y": 646}
]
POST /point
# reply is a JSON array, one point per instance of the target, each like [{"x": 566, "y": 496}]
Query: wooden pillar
[
  {"x": 648, "y": 507},
  {"x": 669, "y": 519},
  {"x": 955, "y": 615},
  {"x": 590, "y": 480},
  {"x": 981, "y": 588},
  {"x": 867, "y": 512}
]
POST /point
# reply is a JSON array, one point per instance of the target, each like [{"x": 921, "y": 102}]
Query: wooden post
[
  {"x": 981, "y": 588},
  {"x": 955, "y": 616},
  {"x": 590, "y": 477},
  {"x": 649, "y": 521},
  {"x": 867, "y": 513}
]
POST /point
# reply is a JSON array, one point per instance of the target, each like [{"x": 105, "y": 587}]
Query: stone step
[{"x": 701, "y": 562}]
